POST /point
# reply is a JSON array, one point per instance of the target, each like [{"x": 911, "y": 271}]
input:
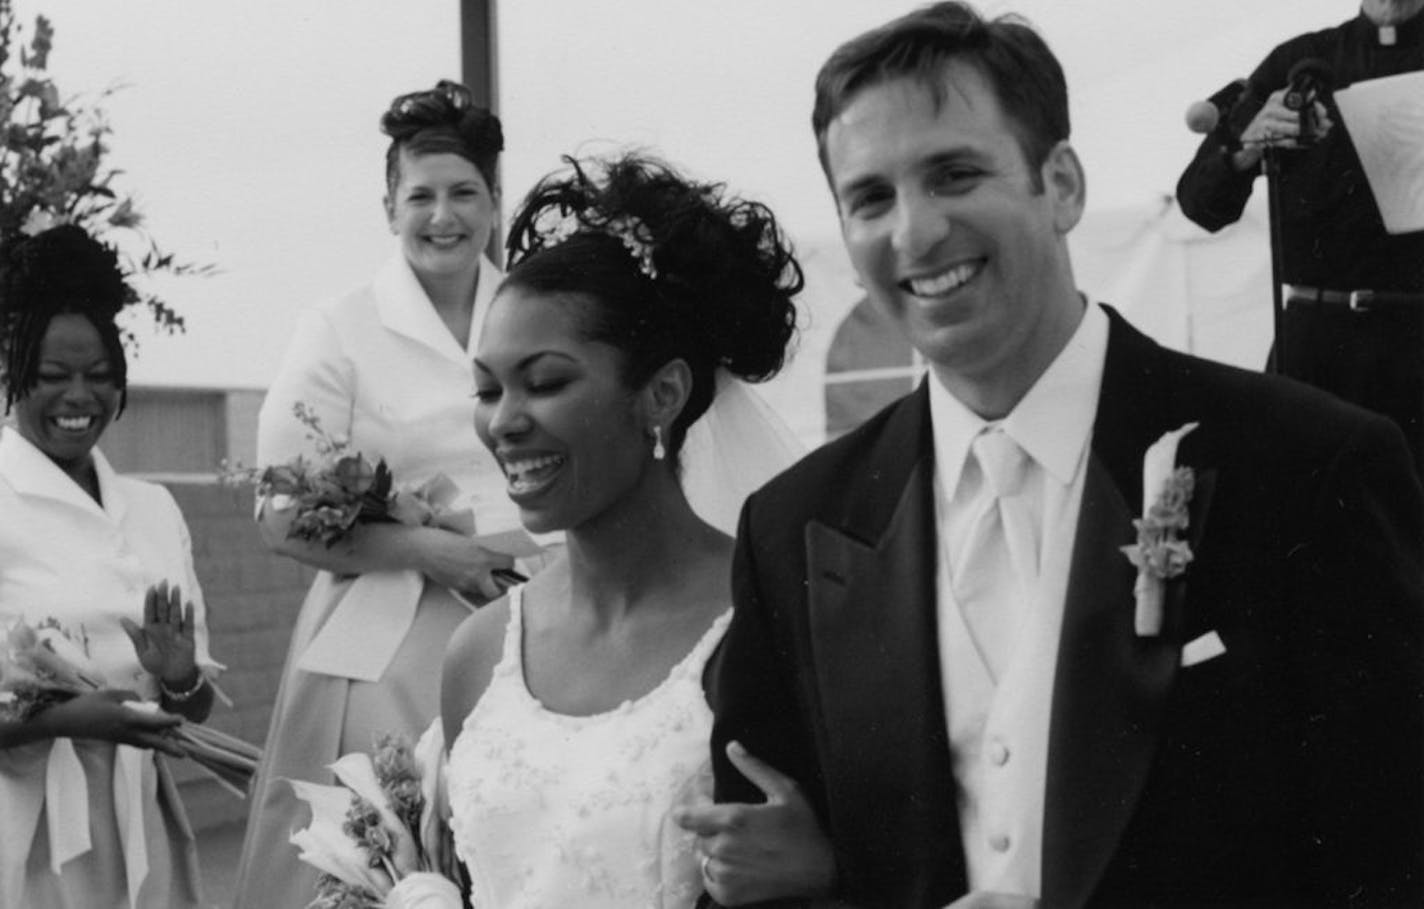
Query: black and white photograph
[{"x": 519, "y": 454}]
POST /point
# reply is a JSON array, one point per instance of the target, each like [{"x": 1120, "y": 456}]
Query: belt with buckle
[{"x": 1354, "y": 300}]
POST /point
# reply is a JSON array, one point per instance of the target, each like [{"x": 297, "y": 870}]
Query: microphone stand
[{"x": 1271, "y": 167}]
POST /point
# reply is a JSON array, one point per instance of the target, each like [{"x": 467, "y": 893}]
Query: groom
[{"x": 936, "y": 631}]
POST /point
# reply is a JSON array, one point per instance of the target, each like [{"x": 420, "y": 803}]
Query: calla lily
[
  {"x": 359, "y": 775},
  {"x": 328, "y": 803},
  {"x": 1158, "y": 554},
  {"x": 324, "y": 845},
  {"x": 69, "y": 659},
  {"x": 429, "y": 754},
  {"x": 328, "y": 849}
]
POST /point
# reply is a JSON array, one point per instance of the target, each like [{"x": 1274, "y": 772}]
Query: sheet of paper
[{"x": 1385, "y": 119}]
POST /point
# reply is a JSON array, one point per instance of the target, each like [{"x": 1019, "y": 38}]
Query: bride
[{"x": 575, "y": 706}]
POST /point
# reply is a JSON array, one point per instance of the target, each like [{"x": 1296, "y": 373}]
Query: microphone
[
  {"x": 1204, "y": 116},
  {"x": 1308, "y": 80}
]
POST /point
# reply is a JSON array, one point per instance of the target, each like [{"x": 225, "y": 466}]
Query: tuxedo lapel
[
  {"x": 1111, "y": 685},
  {"x": 1108, "y": 694},
  {"x": 872, "y": 593},
  {"x": 878, "y": 598}
]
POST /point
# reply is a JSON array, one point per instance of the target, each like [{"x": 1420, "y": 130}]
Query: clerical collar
[{"x": 1410, "y": 32}]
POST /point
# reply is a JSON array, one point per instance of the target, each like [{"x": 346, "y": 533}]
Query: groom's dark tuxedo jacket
[{"x": 1287, "y": 771}]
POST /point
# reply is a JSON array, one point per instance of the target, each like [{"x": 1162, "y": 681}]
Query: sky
[{"x": 248, "y": 130}]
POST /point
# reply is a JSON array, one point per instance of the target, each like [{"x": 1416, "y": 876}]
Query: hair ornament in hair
[
  {"x": 629, "y": 230},
  {"x": 447, "y": 100},
  {"x": 637, "y": 239}
]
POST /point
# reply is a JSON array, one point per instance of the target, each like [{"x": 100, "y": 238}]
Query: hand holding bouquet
[
  {"x": 41, "y": 666},
  {"x": 341, "y": 488},
  {"x": 45, "y": 668},
  {"x": 380, "y": 837}
]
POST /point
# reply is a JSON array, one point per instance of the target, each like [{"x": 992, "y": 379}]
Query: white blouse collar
[
  {"x": 31, "y": 472},
  {"x": 404, "y": 308}
]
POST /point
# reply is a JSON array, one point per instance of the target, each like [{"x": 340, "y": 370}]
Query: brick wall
[{"x": 252, "y": 598}]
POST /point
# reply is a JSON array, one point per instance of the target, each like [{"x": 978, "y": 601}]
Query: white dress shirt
[
  {"x": 380, "y": 367},
  {"x": 998, "y": 728},
  {"x": 86, "y": 565}
]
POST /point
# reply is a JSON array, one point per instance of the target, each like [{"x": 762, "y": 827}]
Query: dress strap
[
  {"x": 507, "y": 677},
  {"x": 512, "y": 659}
]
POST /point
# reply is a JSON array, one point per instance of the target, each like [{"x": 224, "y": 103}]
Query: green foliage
[{"x": 53, "y": 169}]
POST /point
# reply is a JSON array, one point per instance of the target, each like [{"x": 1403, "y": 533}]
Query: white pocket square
[{"x": 1204, "y": 648}]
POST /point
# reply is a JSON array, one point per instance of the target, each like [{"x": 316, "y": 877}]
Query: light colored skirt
[
  {"x": 316, "y": 719},
  {"x": 97, "y": 879}
]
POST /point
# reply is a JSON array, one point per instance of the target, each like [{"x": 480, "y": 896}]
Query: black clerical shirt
[{"x": 1332, "y": 233}]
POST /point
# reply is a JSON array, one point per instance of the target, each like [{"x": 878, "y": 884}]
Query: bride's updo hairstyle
[
  {"x": 442, "y": 120},
  {"x": 668, "y": 268},
  {"x": 61, "y": 271}
]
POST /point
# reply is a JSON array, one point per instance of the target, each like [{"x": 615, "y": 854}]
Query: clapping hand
[
  {"x": 760, "y": 852},
  {"x": 164, "y": 643}
]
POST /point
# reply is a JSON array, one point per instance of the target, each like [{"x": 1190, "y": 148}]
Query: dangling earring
[{"x": 659, "y": 452}]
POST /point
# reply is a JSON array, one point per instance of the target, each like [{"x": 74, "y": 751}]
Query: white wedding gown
[{"x": 550, "y": 810}]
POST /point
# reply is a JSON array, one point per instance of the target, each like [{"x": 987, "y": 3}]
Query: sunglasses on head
[{"x": 432, "y": 101}]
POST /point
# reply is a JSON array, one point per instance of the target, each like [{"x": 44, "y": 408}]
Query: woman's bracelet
[{"x": 181, "y": 696}]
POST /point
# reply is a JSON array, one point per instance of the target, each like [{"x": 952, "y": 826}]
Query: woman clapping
[{"x": 91, "y": 816}]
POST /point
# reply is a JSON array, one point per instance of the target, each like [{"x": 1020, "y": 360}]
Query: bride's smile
[{"x": 530, "y": 475}]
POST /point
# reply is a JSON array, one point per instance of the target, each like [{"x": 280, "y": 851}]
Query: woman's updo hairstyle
[
  {"x": 673, "y": 268},
  {"x": 62, "y": 271},
  {"x": 442, "y": 120}
]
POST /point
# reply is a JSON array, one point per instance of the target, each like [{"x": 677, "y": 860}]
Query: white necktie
[{"x": 997, "y": 566}]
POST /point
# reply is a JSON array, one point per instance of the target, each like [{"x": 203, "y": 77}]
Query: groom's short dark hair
[{"x": 1023, "y": 73}]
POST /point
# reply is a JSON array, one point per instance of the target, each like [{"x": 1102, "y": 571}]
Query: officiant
[{"x": 1353, "y": 304}]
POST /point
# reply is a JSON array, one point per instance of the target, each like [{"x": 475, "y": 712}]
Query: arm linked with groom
[{"x": 955, "y": 670}]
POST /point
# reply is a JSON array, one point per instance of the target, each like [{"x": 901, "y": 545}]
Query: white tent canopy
[
  {"x": 1207, "y": 294},
  {"x": 249, "y": 133}
]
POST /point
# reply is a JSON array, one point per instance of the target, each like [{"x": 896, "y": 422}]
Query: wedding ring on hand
[{"x": 706, "y": 871}]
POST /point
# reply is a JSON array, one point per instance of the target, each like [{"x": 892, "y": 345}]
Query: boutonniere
[{"x": 1160, "y": 553}]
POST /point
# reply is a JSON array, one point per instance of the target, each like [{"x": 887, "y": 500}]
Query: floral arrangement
[
  {"x": 1159, "y": 550},
  {"x": 43, "y": 665},
  {"x": 52, "y": 167},
  {"x": 329, "y": 495},
  {"x": 380, "y": 838},
  {"x": 1160, "y": 553}
]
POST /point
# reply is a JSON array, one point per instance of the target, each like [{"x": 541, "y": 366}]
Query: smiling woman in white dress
[
  {"x": 575, "y": 705},
  {"x": 388, "y": 366},
  {"x": 89, "y": 814}
]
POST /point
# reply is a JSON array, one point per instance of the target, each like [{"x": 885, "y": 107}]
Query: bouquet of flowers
[
  {"x": 43, "y": 665},
  {"x": 380, "y": 838},
  {"x": 329, "y": 495}
]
